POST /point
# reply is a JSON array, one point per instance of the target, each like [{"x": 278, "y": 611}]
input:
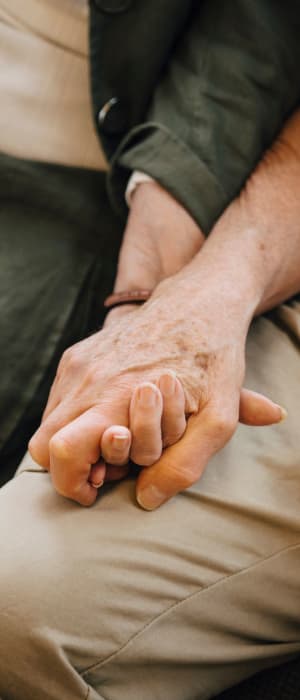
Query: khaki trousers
[{"x": 116, "y": 603}]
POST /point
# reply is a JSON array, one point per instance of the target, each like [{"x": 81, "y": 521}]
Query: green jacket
[{"x": 192, "y": 92}]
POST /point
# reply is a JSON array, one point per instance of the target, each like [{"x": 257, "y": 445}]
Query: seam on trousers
[{"x": 166, "y": 612}]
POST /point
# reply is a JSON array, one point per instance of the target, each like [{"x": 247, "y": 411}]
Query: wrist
[
  {"x": 216, "y": 302},
  {"x": 160, "y": 239},
  {"x": 236, "y": 255},
  {"x": 261, "y": 228},
  {"x": 228, "y": 271}
]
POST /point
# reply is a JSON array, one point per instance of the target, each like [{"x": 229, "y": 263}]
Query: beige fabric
[
  {"x": 44, "y": 85},
  {"x": 44, "y": 82},
  {"x": 116, "y": 603}
]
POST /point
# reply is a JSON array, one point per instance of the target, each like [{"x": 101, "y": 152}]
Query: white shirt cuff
[{"x": 136, "y": 179}]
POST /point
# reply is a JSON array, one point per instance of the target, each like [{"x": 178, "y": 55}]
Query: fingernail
[
  {"x": 284, "y": 413},
  {"x": 167, "y": 384},
  {"x": 119, "y": 441},
  {"x": 97, "y": 485},
  {"x": 151, "y": 498},
  {"x": 147, "y": 396}
]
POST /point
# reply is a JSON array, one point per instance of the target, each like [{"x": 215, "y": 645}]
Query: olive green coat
[{"x": 192, "y": 93}]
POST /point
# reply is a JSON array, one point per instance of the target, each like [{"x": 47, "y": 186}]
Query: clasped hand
[{"x": 126, "y": 392}]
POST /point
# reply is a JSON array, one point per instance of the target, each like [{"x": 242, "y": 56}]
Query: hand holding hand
[{"x": 98, "y": 382}]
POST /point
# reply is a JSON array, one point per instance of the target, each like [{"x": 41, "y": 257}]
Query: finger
[
  {"x": 116, "y": 473},
  {"x": 115, "y": 445},
  {"x": 73, "y": 451},
  {"x": 256, "y": 409},
  {"x": 173, "y": 418},
  {"x": 102, "y": 472},
  {"x": 97, "y": 474},
  {"x": 145, "y": 424},
  {"x": 38, "y": 446},
  {"x": 181, "y": 465}
]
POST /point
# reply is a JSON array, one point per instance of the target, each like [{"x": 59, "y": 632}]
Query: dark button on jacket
[{"x": 112, "y": 117}]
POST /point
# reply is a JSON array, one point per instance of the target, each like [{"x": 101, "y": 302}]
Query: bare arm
[{"x": 260, "y": 231}]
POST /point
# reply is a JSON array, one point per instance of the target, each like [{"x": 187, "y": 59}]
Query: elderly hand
[
  {"x": 159, "y": 240},
  {"x": 197, "y": 322}
]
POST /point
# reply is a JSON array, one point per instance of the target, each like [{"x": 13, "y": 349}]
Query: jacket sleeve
[{"x": 231, "y": 82}]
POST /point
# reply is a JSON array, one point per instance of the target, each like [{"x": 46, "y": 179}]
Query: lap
[{"x": 177, "y": 603}]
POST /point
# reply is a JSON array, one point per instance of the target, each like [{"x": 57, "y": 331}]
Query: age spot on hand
[{"x": 202, "y": 360}]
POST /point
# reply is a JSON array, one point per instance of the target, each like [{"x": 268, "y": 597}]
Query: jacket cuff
[{"x": 155, "y": 150}]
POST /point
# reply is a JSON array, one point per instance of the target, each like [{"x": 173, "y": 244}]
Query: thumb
[
  {"x": 182, "y": 464},
  {"x": 256, "y": 409}
]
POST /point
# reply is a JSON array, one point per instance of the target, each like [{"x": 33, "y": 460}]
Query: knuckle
[
  {"x": 223, "y": 424},
  {"x": 190, "y": 475},
  {"x": 74, "y": 495},
  {"x": 70, "y": 360},
  {"x": 37, "y": 453},
  {"x": 61, "y": 448},
  {"x": 171, "y": 437},
  {"x": 65, "y": 487},
  {"x": 187, "y": 478},
  {"x": 184, "y": 477}
]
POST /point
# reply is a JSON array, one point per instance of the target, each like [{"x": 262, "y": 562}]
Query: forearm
[
  {"x": 271, "y": 204},
  {"x": 253, "y": 252}
]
